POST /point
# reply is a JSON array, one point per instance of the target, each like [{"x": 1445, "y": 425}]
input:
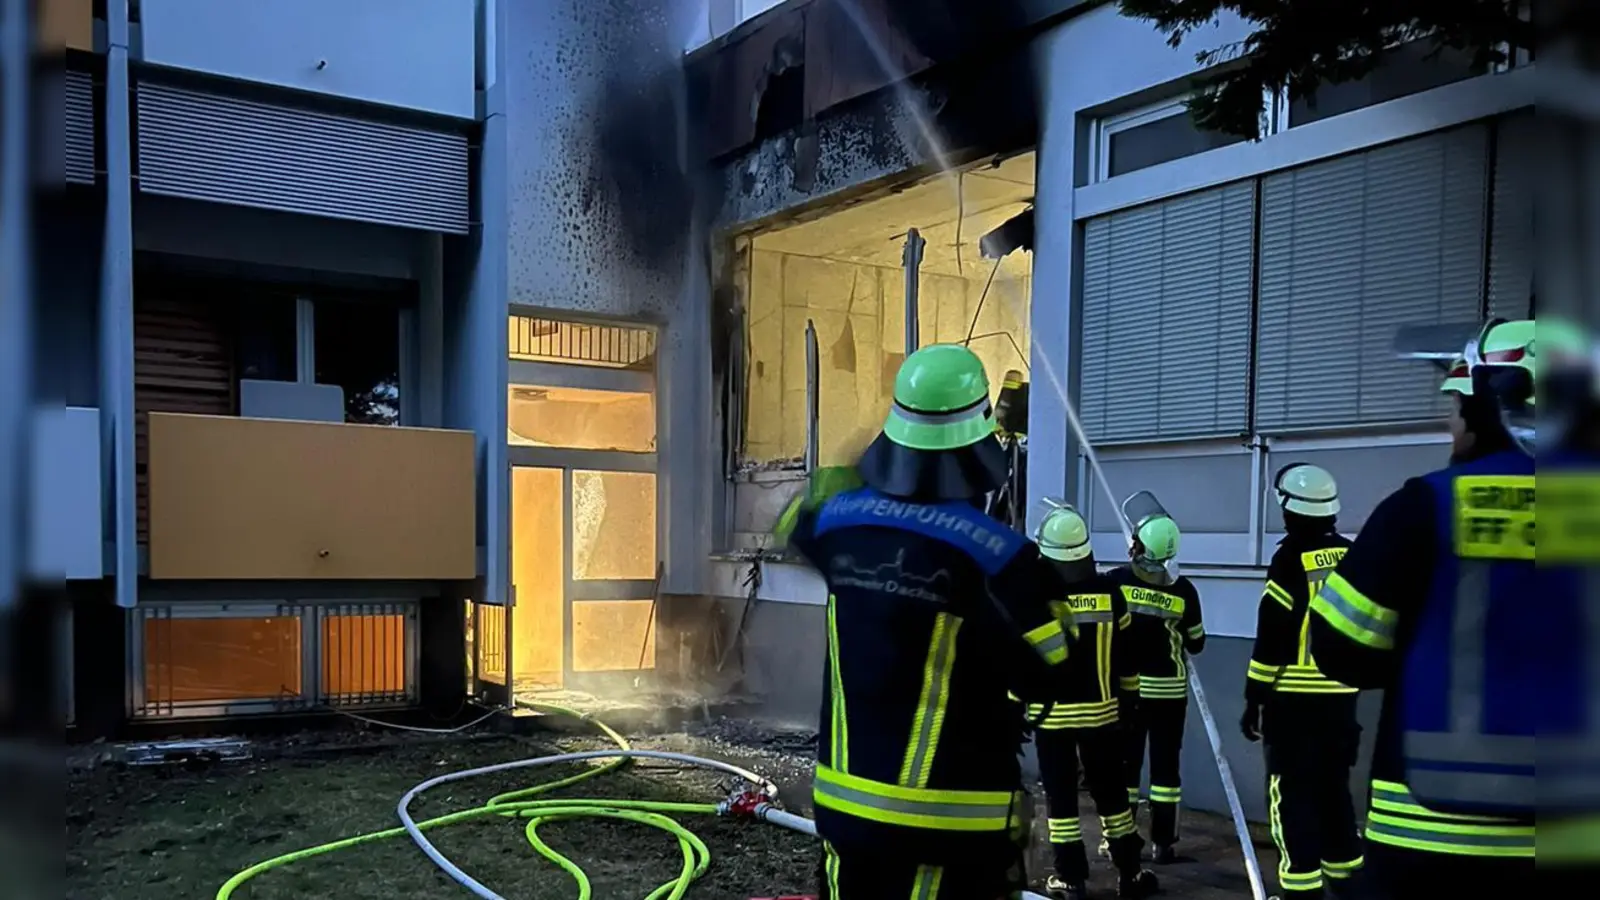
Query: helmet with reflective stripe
[
  {"x": 1307, "y": 490},
  {"x": 1458, "y": 378},
  {"x": 938, "y": 441},
  {"x": 1063, "y": 535},
  {"x": 941, "y": 400},
  {"x": 1503, "y": 358}
]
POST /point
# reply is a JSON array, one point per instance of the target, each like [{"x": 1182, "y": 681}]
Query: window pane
[
  {"x": 613, "y": 525},
  {"x": 613, "y": 635},
  {"x": 363, "y": 656},
  {"x": 266, "y": 335},
  {"x": 358, "y": 349},
  {"x": 580, "y": 419},
  {"x": 536, "y": 549},
  {"x": 188, "y": 660},
  {"x": 1404, "y": 71},
  {"x": 1163, "y": 140}
]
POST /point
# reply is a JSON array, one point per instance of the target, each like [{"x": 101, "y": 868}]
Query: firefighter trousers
[
  {"x": 1311, "y": 745},
  {"x": 872, "y": 876},
  {"x": 1100, "y": 751},
  {"x": 1158, "y": 723}
]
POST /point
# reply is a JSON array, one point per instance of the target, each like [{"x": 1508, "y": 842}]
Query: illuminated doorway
[{"x": 581, "y": 440}]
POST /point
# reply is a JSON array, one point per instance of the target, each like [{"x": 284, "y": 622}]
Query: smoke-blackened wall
[{"x": 604, "y": 214}]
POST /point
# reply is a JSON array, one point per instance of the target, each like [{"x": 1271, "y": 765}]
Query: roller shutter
[
  {"x": 78, "y": 139},
  {"x": 1166, "y": 318},
  {"x": 182, "y": 363},
  {"x": 1511, "y": 236},
  {"x": 229, "y": 150},
  {"x": 1352, "y": 249}
]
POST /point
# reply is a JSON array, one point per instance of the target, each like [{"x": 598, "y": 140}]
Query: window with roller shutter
[
  {"x": 204, "y": 146},
  {"x": 1511, "y": 228},
  {"x": 1352, "y": 249},
  {"x": 1166, "y": 318}
]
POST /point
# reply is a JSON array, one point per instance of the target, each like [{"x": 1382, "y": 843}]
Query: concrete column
[
  {"x": 430, "y": 332},
  {"x": 116, "y": 316},
  {"x": 16, "y": 191},
  {"x": 1052, "y": 448},
  {"x": 470, "y": 337}
]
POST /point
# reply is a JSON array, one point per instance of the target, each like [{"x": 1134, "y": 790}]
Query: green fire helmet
[
  {"x": 1502, "y": 363},
  {"x": 1064, "y": 535},
  {"x": 938, "y": 441},
  {"x": 1307, "y": 490},
  {"x": 1155, "y": 538},
  {"x": 1457, "y": 379}
]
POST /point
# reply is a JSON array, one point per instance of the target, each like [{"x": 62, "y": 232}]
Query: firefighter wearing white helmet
[
  {"x": 1167, "y": 627},
  {"x": 1082, "y": 723},
  {"x": 1431, "y": 605},
  {"x": 1306, "y": 720}
]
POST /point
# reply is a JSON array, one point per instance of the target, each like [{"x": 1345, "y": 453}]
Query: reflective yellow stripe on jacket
[
  {"x": 911, "y": 807},
  {"x": 927, "y": 723},
  {"x": 1049, "y": 641},
  {"x": 1355, "y": 615},
  {"x": 1398, "y": 820}
]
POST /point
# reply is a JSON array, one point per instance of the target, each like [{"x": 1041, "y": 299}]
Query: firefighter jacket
[
  {"x": 1281, "y": 660},
  {"x": 1100, "y": 671},
  {"x": 1430, "y": 604},
  {"x": 1569, "y": 734},
  {"x": 1166, "y": 624},
  {"x": 935, "y": 612}
]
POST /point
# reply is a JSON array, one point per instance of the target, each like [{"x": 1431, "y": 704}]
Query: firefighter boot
[
  {"x": 1139, "y": 884},
  {"x": 1060, "y": 889}
]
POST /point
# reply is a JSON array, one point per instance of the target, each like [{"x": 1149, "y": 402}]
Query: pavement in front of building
[{"x": 1210, "y": 864}]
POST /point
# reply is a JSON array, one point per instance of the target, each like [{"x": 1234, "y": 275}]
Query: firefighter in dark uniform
[
  {"x": 1568, "y": 584},
  {"x": 1432, "y": 605},
  {"x": 1082, "y": 724},
  {"x": 1308, "y": 721},
  {"x": 936, "y": 613},
  {"x": 1167, "y": 627}
]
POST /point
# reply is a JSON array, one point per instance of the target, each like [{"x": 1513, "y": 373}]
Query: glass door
[
  {"x": 612, "y": 586},
  {"x": 583, "y": 529}
]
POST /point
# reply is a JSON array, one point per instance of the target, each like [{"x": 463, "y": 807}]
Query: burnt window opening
[{"x": 780, "y": 103}]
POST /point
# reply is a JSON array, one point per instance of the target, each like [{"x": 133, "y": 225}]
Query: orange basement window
[
  {"x": 363, "y": 655},
  {"x": 217, "y": 660}
]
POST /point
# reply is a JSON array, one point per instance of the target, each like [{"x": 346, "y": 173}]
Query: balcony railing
[{"x": 242, "y": 498}]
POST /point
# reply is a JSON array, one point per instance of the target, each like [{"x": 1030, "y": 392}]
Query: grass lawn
[{"x": 168, "y": 833}]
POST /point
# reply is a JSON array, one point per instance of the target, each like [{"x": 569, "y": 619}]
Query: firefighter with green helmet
[
  {"x": 1082, "y": 722},
  {"x": 936, "y": 614},
  {"x": 1166, "y": 628},
  {"x": 1431, "y": 604},
  {"x": 1306, "y": 719}
]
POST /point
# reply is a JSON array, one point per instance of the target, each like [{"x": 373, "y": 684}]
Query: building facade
[
  {"x": 350, "y": 297},
  {"x": 471, "y": 348},
  {"x": 1210, "y": 308}
]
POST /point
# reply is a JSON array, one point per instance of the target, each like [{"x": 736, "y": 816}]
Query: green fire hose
[{"x": 514, "y": 804}]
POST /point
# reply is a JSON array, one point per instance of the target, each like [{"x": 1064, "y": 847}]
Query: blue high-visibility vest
[{"x": 1473, "y": 672}]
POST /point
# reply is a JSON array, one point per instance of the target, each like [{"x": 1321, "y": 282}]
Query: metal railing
[{"x": 582, "y": 343}]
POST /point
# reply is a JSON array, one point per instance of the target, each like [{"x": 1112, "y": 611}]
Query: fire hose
[{"x": 757, "y": 802}]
